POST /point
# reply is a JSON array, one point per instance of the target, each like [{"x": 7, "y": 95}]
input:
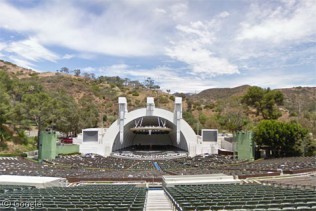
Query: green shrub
[
  {"x": 163, "y": 99},
  {"x": 23, "y": 155},
  {"x": 135, "y": 93}
]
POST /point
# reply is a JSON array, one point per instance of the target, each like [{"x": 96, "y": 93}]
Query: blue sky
[{"x": 184, "y": 45}]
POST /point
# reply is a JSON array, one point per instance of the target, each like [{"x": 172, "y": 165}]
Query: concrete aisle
[{"x": 157, "y": 201}]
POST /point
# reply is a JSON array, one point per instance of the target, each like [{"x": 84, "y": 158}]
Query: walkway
[{"x": 157, "y": 201}]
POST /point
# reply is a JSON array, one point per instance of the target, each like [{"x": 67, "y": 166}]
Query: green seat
[
  {"x": 40, "y": 209},
  {"x": 105, "y": 208},
  {"x": 50, "y": 205},
  {"x": 7, "y": 209},
  {"x": 56, "y": 209},
  {"x": 188, "y": 208},
  {"x": 203, "y": 207},
  {"x": 66, "y": 205},
  {"x": 133, "y": 208},
  {"x": 83, "y": 206},
  {"x": 91, "y": 209},
  {"x": 121, "y": 208}
]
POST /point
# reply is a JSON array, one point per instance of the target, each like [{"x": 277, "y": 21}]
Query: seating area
[
  {"x": 288, "y": 164},
  {"x": 305, "y": 181},
  {"x": 83, "y": 197},
  {"x": 240, "y": 197},
  {"x": 225, "y": 164},
  {"x": 95, "y": 166},
  {"x": 94, "y": 161},
  {"x": 6, "y": 188}
]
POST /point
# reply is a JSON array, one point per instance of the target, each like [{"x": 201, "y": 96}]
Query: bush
[
  {"x": 210, "y": 106},
  {"x": 163, "y": 99},
  {"x": 135, "y": 93},
  {"x": 23, "y": 155}
]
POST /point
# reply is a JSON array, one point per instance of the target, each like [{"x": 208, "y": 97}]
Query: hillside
[
  {"x": 215, "y": 94},
  {"x": 13, "y": 69},
  {"x": 299, "y": 102}
]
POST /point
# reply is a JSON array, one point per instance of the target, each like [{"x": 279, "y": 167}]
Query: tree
[
  {"x": 77, "y": 72},
  {"x": 233, "y": 121},
  {"x": 6, "y": 84},
  {"x": 265, "y": 101},
  {"x": 202, "y": 118},
  {"x": 150, "y": 84},
  {"x": 88, "y": 113},
  {"x": 5, "y": 133},
  {"x": 282, "y": 138},
  {"x": 190, "y": 119},
  {"x": 64, "y": 70},
  {"x": 67, "y": 112},
  {"x": 36, "y": 108}
]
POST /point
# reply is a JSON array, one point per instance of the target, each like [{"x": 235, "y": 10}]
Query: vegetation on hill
[{"x": 70, "y": 100}]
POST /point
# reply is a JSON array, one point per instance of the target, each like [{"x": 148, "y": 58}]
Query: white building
[{"x": 172, "y": 130}]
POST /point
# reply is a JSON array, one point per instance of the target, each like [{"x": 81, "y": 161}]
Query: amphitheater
[{"x": 150, "y": 159}]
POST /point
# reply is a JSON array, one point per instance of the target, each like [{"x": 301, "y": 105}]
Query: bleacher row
[
  {"x": 77, "y": 166},
  {"x": 78, "y": 198},
  {"x": 240, "y": 197}
]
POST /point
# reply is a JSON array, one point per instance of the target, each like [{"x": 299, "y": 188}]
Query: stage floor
[{"x": 144, "y": 154}]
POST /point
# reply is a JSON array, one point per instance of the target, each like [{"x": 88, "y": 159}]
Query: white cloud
[
  {"x": 117, "y": 30},
  {"x": 193, "y": 47},
  {"x": 185, "y": 46},
  {"x": 21, "y": 62},
  {"x": 224, "y": 14},
  {"x": 178, "y": 10},
  {"x": 159, "y": 10},
  {"x": 2, "y": 46},
  {"x": 68, "y": 56},
  {"x": 31, "y": 50},
  {"x": 284, "y": 23}
]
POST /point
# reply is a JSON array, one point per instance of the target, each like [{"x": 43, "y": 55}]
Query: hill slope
[{"x": 104, "y": 91}]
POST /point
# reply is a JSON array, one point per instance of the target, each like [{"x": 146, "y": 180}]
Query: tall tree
[
  {"x": 265, "y": 101},
  {"x": 5, "y": 133},
  {"x": 38, "y": 109},
  {"x": 67, "y": 111},
  {"x": 6, "y": 84}
]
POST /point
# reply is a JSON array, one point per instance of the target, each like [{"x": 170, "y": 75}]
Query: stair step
[{"x": 158, "y": 201}]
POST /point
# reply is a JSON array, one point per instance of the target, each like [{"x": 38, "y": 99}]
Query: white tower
[
  {"x": 122, "y": 111},
  {"x": 178, "y": 116}
]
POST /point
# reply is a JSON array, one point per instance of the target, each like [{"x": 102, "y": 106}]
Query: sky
[{"x": 183, "y": 45}]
